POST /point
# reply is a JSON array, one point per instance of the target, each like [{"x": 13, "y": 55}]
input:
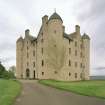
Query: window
[
  {"x": 75, "y": 64},
  {"x": 69, "y": 50},
  {"x": 42, "y": 73},
  {"x": 33, "y": 44},
  {"x": 80, "y": 65},
  {"x": 69, "y": 74},
  {"x": 42, "y": 40},
  {"x": 55, "y": 45},
  {"x": 75, "y": 75},
  {"x": 81, "y": 46},
  {"x": 75, "y": 52},
  {"x": 33, "y": 64},
  {"x": 27, "y": 42},
  {"x": 75, "y": 43},
  {"x": 34, "y": 53},
  {"x": 55, "y": 72},
  {"x": 27, "y": 47},
  {"x": 27, "y": 55},
  {"x": 55, "y": 31},
  {"x": 42, "y": 63},
  {"x": 69, "y": 41},
  {"x": 42, "y": 51},
  {"x": 69, "y": 63},
  {"x": 42, "y": 33}
]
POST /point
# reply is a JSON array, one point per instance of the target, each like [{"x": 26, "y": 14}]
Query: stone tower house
[{"x": 54, "y": 54}]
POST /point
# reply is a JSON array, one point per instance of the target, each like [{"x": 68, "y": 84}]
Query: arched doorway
[
  {"x": 27, "y": 73},
  {"x": 34, "y": 74}
]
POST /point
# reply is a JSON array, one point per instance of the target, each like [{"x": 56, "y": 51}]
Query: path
[{"x": 34, "y": 93}]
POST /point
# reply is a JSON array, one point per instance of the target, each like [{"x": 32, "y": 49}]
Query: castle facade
[{"x": 53, "y": 54}]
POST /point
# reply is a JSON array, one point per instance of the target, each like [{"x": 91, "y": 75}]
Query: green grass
[
  {"x": 9, "y": 89},
  {"x": 89, "y": 88}
]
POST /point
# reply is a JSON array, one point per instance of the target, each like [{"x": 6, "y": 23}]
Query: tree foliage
[{"x": 4, "y": 73}]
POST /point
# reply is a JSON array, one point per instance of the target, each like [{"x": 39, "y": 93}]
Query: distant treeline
[
  {"x": 97, "y": 77},
  {"x": 4, "y": 73}
]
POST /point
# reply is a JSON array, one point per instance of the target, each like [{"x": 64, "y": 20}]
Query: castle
[{"x": 54, "y": 54}]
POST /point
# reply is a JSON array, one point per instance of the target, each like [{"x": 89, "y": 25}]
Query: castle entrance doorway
[
  {"x": 34, "y": 73},
  {"x": 27, "y": 73}
]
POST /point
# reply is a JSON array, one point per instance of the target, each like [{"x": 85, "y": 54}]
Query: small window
[
  {"x": 69, "y": 41},
  {"x": 55, "y": 31},
  {"x": 75, "y": 64},
  {"x": 42, "y": 51},
  {"x": 34, "y": 53},
  {"x": 27, "y": 48},
  {"x": 80, "y": 65},
  {"x": 69, "y": 74},
  {"x": 75, "y": 43},
  {"x": 27, "y": 55},
  {"x": 42, "y": 73},
  {"x": 27, "y": 42},
  {"x": 75, "y": 75},
  {"x": 69, "y": 50},
  {"x": 81, "y": 46},
  {"x": 55, "y": 72},
  {"x": 75, "y": 52},
  {"x": 42, "y": 40},
  {"x": 69, "y": 63},
  {"x": 33, "y": 44},
  {"x": 42, "y": 33},
  {"x": 54, "y": 45},
  {"x": 33, "y": 64},
  {"x": 42, "y": 63}
]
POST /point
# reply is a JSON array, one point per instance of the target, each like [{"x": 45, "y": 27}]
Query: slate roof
[
  {"x": 55, "y": 16},
  {"x": 85, "y": 36}
]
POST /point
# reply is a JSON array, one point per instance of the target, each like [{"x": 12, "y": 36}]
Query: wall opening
[
  {"x": 27, "y": 73},
  {"x": 34, "y": 74}
]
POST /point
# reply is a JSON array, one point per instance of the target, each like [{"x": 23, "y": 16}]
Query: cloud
[{"x": 18, "y": 15}]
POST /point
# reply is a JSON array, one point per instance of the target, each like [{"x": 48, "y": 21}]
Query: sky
[{"x": 18, "y": 15}]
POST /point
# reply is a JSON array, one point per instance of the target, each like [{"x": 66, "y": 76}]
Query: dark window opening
[
  {"x": 33, "y": 53},
  {"x": 69, "y": 50},
  {"x": 69, "y": 63},
  {"x": 75, "y": 64},
  {"x": 75, "y": 44},
  {"x": 75, "y": 52},
  {"x": 27, "y": 73},
  {"x": 69, "y": 41},
  {"x": 33, "y": 64},
  {"x": 42, "y": 73},
  {"x": 75, "y": 75},
  {"x": 55, "y": 72},
  {"x": 42, "y": 51},
  {"x": 69, "y": 74},
  {"x": 34, "y": 74},
  {"x": 42, "y": 63},
  {"x": 55, "y": 45},
  {"x": 27, "y": 48},
  {"x": 42, "y": 40}
]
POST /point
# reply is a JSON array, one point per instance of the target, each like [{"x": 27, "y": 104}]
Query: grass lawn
[
  {"x": 9, "y": 89},
  {"x": 89, "y": 88}
]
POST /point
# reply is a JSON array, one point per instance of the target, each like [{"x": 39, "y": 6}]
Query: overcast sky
[{"x": 18, "y": 15}]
